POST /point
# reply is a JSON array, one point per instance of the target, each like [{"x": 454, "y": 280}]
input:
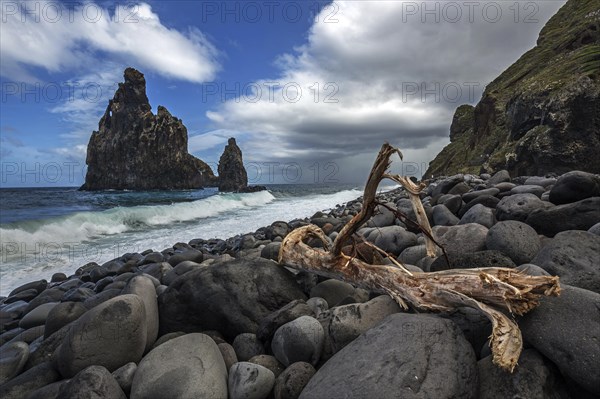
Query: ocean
[{"x": 49, "y": 230}]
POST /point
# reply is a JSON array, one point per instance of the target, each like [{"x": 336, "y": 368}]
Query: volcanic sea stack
[{"x": 134, "y": 149}]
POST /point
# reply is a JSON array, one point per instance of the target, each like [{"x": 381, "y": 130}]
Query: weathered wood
[{"x": 492, "y": 291}]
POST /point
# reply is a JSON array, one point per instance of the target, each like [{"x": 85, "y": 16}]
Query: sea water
[{"x": 49, "y": 230}]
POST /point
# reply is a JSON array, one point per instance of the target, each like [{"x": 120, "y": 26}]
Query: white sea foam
[{"x": 64, "y": 244}]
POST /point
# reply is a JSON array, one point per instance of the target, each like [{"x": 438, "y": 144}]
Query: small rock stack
[{"x": 220, "y": 318}]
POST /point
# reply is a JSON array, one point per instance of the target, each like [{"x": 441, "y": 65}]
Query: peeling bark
[{"x": 492, "y": 291}]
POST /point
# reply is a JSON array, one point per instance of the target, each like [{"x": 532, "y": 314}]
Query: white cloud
[
  {"x": 377, "y": 58},
  {"x": 43, "y": 37},
  {"x": 208, "y": 141}
]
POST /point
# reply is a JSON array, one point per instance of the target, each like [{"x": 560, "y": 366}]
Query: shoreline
[{"x": 234, "y": 305}]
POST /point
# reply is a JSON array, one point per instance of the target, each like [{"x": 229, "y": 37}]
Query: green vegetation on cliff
[{"x": 543, "y": 113}]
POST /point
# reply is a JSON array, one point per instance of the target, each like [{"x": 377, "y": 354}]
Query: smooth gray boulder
[
  {"x": 61, "y": 315},
  {"x": 442, "y": 216},
  {"x": 94, "y": 382},
  {"x": 37, "y": 316},
  {"x": 334, "y": 291},
  {"x": 392, "y": 239},
  {"x": 349, "y": 321},
  {"x": 480, "y": 214},
  {"x": 572, "y": 255},
  {"x": 124, "y": 376},
  {"x": 461, "y": 238},
  {"x": 566, "y": 329},
  {"x": 250, "y": 381},
  {"x": 111, "y": 334},
  {"x": 228, "y": 354},
  {"x": 515, "y": 239},
  {"x": 13, "y": 357},
  {"x": 189, "y": 366},
  {"x": 519, "y": 206},
  {"x": 580, "y": 215},
  {"x": 405, "y": 356},
  {"x": 269, "y": 324},
  {"x": 23, "y": 384},
  {"x": 246, "y": 346},
  {"x": 300, "y": 340},
  {"x": 143, "y": 287},
  {"x": 574, "y": 186},
  {"x": 532, "y": 378}
]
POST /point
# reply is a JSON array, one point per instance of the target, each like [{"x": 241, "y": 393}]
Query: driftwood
[{"x": 492, "y": 291}]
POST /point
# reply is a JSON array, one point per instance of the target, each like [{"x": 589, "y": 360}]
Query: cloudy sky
[{"x": 311, "y": 89}]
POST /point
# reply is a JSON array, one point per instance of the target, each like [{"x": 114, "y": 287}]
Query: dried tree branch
[{"x": 492, "y": 291}]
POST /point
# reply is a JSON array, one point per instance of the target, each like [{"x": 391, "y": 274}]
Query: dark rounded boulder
[
  {"x": 111, "y": 335},
  {"x": 405, "y": 356},
  {"x": 231, "y": 297},
  {"x": 574, "y": 186},
  {"x": 95, "y": 382}
]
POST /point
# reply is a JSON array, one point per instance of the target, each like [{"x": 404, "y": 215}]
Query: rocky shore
[{"x": 221, "y": 318}]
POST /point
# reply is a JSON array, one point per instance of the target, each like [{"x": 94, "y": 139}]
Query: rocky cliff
[
  {"x": 542, "y": 114},
  {"x": 137, "y": 150}
]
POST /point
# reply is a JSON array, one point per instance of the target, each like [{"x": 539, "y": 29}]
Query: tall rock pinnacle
[
  {"x": 232, "y": 174},
  {"x": 137, "y": 150}
]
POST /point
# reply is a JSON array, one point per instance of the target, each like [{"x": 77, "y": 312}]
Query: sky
[{"x": 310, "y": 89}]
